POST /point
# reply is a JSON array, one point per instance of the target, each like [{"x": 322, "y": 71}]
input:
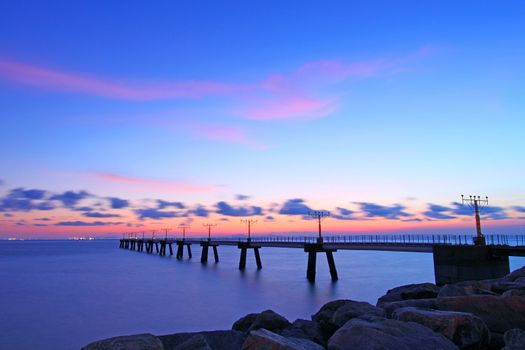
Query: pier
[{"x": 456, "y": 258}]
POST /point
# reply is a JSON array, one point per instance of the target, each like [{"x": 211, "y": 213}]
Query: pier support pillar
[
  {"x": 310, "y": 271},
  {"x": 180, "y": 250},
  {"x": 189, "y": 250},
  {"x": 331, "y": 265},
  {"x": 157, "y": 246},
  {"x": 171, "y": 249},
  {"x": 312, "y": 250},
  {"x": 204, "y": 255},
  {"x": 244, "y": 246},
  {"x": 205, "y": 248},
  {"x": 257, "y": 258},
  {"x": 215, "y": 254},
  {"x": 463, "y": 263},
  {"x": 242, "y": 260}
]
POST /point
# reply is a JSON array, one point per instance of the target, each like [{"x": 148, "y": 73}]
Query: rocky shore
[{"x": 488, "y": 314}]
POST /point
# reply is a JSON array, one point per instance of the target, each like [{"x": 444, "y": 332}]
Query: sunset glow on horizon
[{"x": 176, "y": 113}]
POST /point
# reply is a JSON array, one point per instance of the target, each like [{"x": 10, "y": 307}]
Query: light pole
[
  {"x": 209, "y": 226},
  {"x": 249, "y": 222},
  {"x": 476, "y": 202},
  {"x": 319, "y": 215},
  {"x": 184, "y": 227}
]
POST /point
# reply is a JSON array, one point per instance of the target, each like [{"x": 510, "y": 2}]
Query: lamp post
[
  {"x": 184, "y": 227},
  {"x": 249, "y": 222},
  {"x": 209, "y": 226},
  {"x": 476, "y": 202},
  {"x": 319, "y": 215}
]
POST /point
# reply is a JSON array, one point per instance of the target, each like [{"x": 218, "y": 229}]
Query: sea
[{"x": 62, "y": 295}]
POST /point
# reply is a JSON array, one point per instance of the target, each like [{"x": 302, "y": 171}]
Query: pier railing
[{"x": 408, "y": 239}]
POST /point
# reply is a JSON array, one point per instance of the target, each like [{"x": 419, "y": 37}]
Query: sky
[{"x": 119, "y": 119}]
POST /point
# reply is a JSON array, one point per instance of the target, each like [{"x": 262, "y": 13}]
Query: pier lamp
[
  {"x": 319, "y": 215},
  {"x": 249, "y": 222},
  {"x": 209, "y": 226},
  {"x": 184, "y": 227},
  {"x": 476, "y": 202}
]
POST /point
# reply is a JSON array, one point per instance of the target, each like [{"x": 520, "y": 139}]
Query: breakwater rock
[{"x": 483, "y": 315}]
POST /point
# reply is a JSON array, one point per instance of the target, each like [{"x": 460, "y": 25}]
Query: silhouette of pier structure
[{"x": 456, "y": 257}]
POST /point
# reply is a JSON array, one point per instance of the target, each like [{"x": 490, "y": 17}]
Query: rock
[
  {"x": 514, "y": 275},
  {"x": 514, "y": 292},
  {"x": 268, "y": 319},
  {"x": 131, "y": 342},
  {"x": 305, "y": 329},
  {"x": 422, "y": 303},
  {"x": 496, "y": 341},
  {"x": 216, "y": 340},
  {"x": 387, "y": 334},
  {"x": 324, "y": 316},
  {"x": 455, "y": 290},
  {"x": 514, "y": 339},
  {"x": 264, "y": 339},
  {"x": 352, "y": 309},
  {"x": 197, "y": 342},
  {"x": 410, "y": 291},
  {"x": 463, "y": 329},
  {"x": 499, "y": 313},
  {"x": 503, "y": 286},
  {"x": 334, "y": 314}
]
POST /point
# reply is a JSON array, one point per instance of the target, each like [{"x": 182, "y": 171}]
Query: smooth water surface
[{"x": 61, "y": 295}]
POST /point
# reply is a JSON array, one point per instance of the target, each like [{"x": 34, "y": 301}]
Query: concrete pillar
[
  {"x": 180, "y": 250},
  {"x": 215, "y": 254},
  {"x": 310, "y": 271},
  {"x": 331, "y": 265},
  {"x": 189, "y": 250},
  {"x": 204, "y": 255},
  {"x": 242, "y": 260},
  {"x": 463, "y": 263},
  {"x": 257, "y": 258},
  {"x": 171, "y": 249}
]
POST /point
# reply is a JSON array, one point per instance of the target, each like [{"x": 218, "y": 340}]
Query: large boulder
[
  {"x": 388, "y": 335},
  {"x": 514, "y": 275},
  {"x": 390, "y": 308},
  {"x": 305, "y": 329},
  {"x": 131, "y": 342},
  {"x": 461, "y": 289},
  {"x": 353, "y": 309},
  {"x": 465, "y": 330},
  {"x": 216, "y": 340},
  {"x": 264, "y": 339},
  {"x": 514, "y": 339},
  {"x": 267, "y": 319},
  {"x": 197, "y": 342},
  {"x": 499, "y": 313},
  {"x": 514, "y": 292},
  {"x": 408, "y": 292},
  {"x": 336, "y": 313}
]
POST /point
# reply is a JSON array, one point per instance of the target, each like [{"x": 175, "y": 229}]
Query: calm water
[{"x": 61, "y": 295}]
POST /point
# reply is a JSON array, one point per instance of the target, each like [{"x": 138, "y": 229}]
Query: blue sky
[{"x": 336, "y": 104}]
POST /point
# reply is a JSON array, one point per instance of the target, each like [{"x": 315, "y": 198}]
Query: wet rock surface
[
  {"x": 409, "y": 292},
  {"x": 268, "y": 319},
  {"x": 131, "y": 342},
  {"x": 265, "y": 339},
  {"x": 387, "y": 334},
  {"x": 463, "y": 329}
]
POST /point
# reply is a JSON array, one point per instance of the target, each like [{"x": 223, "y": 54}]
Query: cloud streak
[
  {"x": 147, "y": 184},
  {"x": 297, "y": 94}
]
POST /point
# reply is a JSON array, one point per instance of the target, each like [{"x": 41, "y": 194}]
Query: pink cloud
[
  {"x": 155, "y": 184},
  {"x": 290, "y": 108},
  {"x": 280, "y": 96},
  {"x": 50, "y": 79}
]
